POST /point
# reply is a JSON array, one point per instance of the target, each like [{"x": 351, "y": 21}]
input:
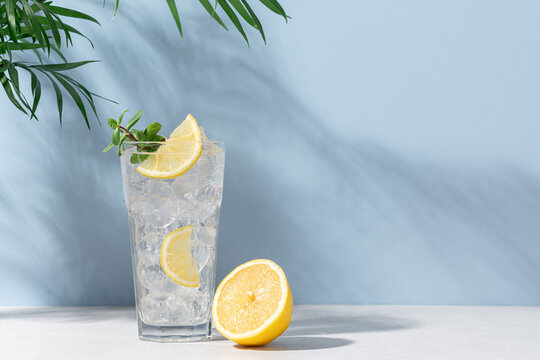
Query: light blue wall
[{"x": 380, "y": 151}]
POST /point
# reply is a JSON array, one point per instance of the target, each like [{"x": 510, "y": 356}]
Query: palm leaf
[
  {"x": 59, "y": 98},
  {"x": 37, "y": 25},
  {"x": 52, "y": 23},
  {"x": 9, "y": 92},
  {"x": 63, "y": 66},
  {"x": 12, "y": 20},
  {"x": 206, "y": 4},
  {"x": 75, "y": 96},
  {"x": 174, "y": 12},
  {"x": 36, "y": 93},
  {"x": 275, "y": 7},
  {"x": 230, "y": 13},
  {"x": 258, "y": 24},
  {"x": 240, "y": 9},
  {"x": 71, "y": 13},
  {"x": 84, "y": 91}
]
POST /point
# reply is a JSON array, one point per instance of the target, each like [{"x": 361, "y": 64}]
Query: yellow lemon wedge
[
  {"x": 253, "y": 304},
  {"x": 176, "y": 258},
  {"x": 177, "y": 155}
]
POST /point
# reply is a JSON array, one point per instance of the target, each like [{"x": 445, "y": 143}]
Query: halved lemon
[
  {"x": 176, "y": 258},
  {"x": 253, "y": 304},
  {"x": 177, "y": 155}
]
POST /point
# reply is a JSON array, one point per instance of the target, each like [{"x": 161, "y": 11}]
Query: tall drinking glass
[{"x": 166, "y": 310}]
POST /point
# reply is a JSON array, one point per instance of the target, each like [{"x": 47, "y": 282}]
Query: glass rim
[{"x": 132, "y": 146}]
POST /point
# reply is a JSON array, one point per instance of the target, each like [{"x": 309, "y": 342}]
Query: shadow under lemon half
[{"x": 253, "y": 304}]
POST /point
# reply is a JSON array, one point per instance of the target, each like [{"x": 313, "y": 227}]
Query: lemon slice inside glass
[
  {"x": 177, "y": 155},
  {"x": 253, "y": 304},
  {"x": 176, "y": 258}
]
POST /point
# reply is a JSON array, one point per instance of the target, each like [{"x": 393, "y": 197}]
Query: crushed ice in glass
[{"x": 158, "y": 207}]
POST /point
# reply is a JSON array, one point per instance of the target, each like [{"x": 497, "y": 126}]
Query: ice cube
[
  {"x": 150, "y": 238},
  {"x": 185, "y": 293},
  {"x": 185, "y": 185},
  {"x": 147, "y": 253},
  {"x": 178, "y": 311},
  {"x": 152, "y": 277},
  {"x": 207, "y": 194},
  {"x": 135, "y": 207},
  {"x": 204, "y": 167},
  {"x": 201, "y": 308},
  {"x": 159, "y": 188},
  {"x": 154, "y": 309},
  {"x": 159, "y": 212},
  {"x": 202, "y": 254},
  {"x": 207, "y": 235}
]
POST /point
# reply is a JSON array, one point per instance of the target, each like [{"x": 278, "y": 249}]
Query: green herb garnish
[{"x": 121, "y": 133}]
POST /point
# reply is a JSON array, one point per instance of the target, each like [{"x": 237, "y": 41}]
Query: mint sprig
[{"x": 121, "y": 133}]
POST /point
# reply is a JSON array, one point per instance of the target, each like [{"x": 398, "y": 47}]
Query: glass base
[{"x": 170, "y": 334}]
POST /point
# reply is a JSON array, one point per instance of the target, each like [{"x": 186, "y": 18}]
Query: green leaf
[
  {"x": 71, "y": 13},
  {"x": 115, "y": 6},
  {"x": 59, "y": 53},
  {"x": 7, "y": 88},
  {"x": 112, "y": 123},
  {"x": 134, "y": 119},
  {"x": 19, "y": 46},
  {"x": 75, "y": 96},
  {"x": 122, "y": 116},
  {"x": 63, "y": 66},
  {"x": 237, "y": 5},
  {"x": 206, "y": 4},
  {"x": 12, "y": 19},
  {"x": 153, "y": 128},
  {"x": 14, "y": 78},
  {"x": 87, "y": 94},
  {"x": 59, "y": 98},
  {"x": 174, "y": 12},
  {"x": 39, "y": 33},
  {"x": 67, "y": 29},
  {"x": 258, "y": 24},
  {"x": 54, "y": 28},
  {"x": 3, "y": 66},
  {"x": 152, "y": 148},
  {"x": 103, "y": 98},
  {"x": 138, "y": 158},
  {"x": 139, "y": 134},
  {"x": 109, "y": 147},
  {"x": 155, "y": 138},
  {"x": 230, "y": 13},
  {"x": 36, "y": 92},
  {"x": 122, "y": 139},
  {"x": 275, "y": 7},
  {"x": 115, "y": 139}
]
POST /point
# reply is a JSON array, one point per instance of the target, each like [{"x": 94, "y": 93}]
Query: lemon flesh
[
  {"x": 253, "y": 304},
  {"x": 176, "y": 258},
  {"x": 178, "y": 153}
]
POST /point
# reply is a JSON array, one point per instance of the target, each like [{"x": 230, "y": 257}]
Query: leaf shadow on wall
[{"x": 349, "y": 221}]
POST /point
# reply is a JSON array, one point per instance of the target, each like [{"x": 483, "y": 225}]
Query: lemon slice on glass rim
[{"x": 179, "y": 153}]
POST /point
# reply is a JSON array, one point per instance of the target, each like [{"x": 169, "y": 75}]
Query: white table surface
[{"x": 316, "y": 332}]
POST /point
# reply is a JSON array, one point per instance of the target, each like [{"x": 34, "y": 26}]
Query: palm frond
[
  {"x": 40, "y": 27},
  {"x": 233, "y": 9}
]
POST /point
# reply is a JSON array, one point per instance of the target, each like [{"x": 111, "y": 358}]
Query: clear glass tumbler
[{"x": 166, "y": 310}]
